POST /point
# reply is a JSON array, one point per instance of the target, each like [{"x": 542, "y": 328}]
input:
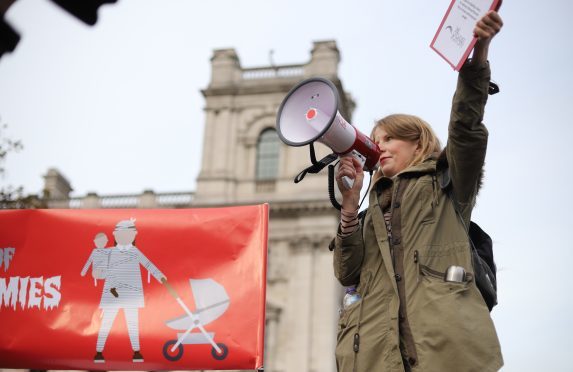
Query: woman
[
  {"x": 123, "y": 288},
  {"x": 410, "y": 318}
]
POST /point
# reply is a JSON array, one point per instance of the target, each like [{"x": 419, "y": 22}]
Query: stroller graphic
[{"x": 211, "y": 302}]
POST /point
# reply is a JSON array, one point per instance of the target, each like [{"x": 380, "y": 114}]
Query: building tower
[{"x": 244, "y": 162}]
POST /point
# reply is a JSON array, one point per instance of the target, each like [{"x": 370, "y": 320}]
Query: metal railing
[
  {"x": 144, "y": 200},
  {"x": 273, "y": 72}
]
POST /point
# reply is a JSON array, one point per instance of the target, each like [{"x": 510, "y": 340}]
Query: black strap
[
  {"x": 316, "y": 166},
  {"x": 319, "y": 165},
  {"x": 331, "y": 194},
  {"x": 492, "y": 88}
]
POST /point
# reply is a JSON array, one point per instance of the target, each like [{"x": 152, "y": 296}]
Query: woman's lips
[{"x": 383, "y": 160}]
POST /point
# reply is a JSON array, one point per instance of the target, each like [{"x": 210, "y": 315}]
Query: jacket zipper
[
  {"x": 417, "y": 262},
  {"x": 392, "y": 204}
]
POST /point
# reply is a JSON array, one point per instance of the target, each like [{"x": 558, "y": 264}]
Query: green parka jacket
[{"x": 409, "y": 317}]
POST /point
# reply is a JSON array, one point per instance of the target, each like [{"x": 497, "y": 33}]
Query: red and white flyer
[{"x": 454, "y": 39}]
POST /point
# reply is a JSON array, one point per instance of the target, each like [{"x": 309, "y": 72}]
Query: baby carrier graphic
[
  {"x": 211, "y": 302},
  {"x": 100, "y": 262}
]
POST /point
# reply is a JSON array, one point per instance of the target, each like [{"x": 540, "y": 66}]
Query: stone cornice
[
  {"x": 282, "y": 87},
  {"x": 284, "y": 208},
  {"x": 293, "y": 207}
]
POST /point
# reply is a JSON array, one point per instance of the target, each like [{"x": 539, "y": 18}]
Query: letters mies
[{"x": 22, "y": 293}]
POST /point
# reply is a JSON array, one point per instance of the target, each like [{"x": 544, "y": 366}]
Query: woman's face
[{"x": 396, "y": 154}]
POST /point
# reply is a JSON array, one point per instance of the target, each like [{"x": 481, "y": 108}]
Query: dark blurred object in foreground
[
  {"x": 85, "y": 10},
  {"x": 9, "y": 38}
]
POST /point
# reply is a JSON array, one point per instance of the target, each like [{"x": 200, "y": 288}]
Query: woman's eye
[{"x": 383, "y": 140}]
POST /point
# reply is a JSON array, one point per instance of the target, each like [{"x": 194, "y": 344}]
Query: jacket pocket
[
  {"x": 431, "y": 269},
  {"x": 437, "y": 258},
  {"x": 352, "y": 313},
  {"x": 449, "y": 320},
  {"x": 348, "y": 319},
  {"x": 348, "y": 333},
  {"x": 432, "y": 291}
]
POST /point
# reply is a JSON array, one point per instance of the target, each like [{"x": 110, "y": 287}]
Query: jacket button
[
  {"x": 396, "y": 241},
  {"x": 397, "y": 205},
  {"x": 398, "y": 277},
  {"x": 412, "y": 361}
]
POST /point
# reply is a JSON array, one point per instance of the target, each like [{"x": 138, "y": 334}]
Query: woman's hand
[
  {"x": 350, "y": 167},
  {"x": 486, "y": 28}
]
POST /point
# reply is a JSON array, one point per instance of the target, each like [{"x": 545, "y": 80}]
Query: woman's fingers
[
  {"x": 352, "y": 168},
  {"x": 346, "y": 168},
  {"x": 488, "y": 26}
]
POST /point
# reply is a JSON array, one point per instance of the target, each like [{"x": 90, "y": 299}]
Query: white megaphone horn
[{"x": 310, "y": 113}]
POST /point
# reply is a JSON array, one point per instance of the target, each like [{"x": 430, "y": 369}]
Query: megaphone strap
[
  {"x": 316, "y": 167},
  {"x": 331, "y": 194}
]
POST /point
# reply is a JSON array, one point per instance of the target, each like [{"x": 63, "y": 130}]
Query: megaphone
[{"x": 310, "y": 113}]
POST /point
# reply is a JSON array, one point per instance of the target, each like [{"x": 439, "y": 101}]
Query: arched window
[{"x": 268, "y": 155}]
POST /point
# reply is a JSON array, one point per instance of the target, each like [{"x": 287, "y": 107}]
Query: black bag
[{"x": 484, "y": 265}]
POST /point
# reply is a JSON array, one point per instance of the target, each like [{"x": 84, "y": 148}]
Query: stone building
[{"x": 244, "y": 162}]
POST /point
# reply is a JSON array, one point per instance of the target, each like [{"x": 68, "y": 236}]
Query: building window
[{"x": 268, "y": 155}]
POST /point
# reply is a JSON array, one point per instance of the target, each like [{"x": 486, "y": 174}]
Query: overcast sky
[{"x": 117, "y": 109}]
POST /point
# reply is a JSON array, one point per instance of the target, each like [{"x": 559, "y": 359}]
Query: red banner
[{"x": 133, "y": 289}]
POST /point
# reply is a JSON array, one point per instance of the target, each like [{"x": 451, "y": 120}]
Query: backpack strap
[{"x": 444, "y": 180}]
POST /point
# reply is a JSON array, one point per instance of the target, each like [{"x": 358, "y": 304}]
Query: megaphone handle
[{"x": 347, "y": 182}]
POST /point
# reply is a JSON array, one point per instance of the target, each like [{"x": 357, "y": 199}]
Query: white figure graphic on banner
[
  {"x": 99, "y": 259},
  {"x": 123, "y": 288}
]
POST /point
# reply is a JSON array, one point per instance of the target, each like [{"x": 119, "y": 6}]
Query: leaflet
[{"x": 455, "y": 38}]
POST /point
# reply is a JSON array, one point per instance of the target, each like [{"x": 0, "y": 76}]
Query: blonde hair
[{"x": 411, "y": 128}]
